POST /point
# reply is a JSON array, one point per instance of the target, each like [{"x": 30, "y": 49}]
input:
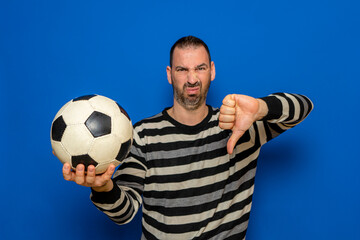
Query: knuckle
[
  {"x": 90, "y": 180},
  {"x": 80, "y": 181},
  {"x": 67, "y": 178},
  {"x": 105, "y": 178}
]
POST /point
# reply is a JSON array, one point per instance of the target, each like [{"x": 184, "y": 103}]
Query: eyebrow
[
  {"x": 198, "y": 66},
  {"x": 202, "y": 65}
]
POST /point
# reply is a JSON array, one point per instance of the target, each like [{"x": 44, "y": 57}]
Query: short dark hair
[{"x": 188, "y": 41}]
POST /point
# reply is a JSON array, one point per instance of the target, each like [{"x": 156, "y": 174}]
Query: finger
[
  {"x": 227, "y": 110},
  {"x": 224, "y": 125},
  {"x": 90, "y": 176},
  {"x": 80, "y": 174},
  {"x": 106, "y": 176},
  {"x": 67, "y": 174},
  {"x": 227, "y": 118},
  {"x": 229, "y": 100},
  {"x": 236, "y": 135},
  {"x": 109, "y": 172}
]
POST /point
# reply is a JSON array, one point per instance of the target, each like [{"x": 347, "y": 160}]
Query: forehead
[{"x": 188, "y": 56}]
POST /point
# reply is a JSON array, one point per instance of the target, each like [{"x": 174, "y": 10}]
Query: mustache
[{"x": 197, "y": 84}]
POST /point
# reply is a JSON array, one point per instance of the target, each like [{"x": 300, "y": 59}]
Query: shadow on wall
[{"x": 285, "y": 155}]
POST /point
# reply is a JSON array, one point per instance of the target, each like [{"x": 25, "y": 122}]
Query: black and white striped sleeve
[
  {"x": 286, "y": 110},
  {"x": 124, "y": 200}
]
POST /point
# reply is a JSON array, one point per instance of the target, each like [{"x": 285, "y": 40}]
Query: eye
[
  {"x": 180, "y": 69},
  {"x": 201, "y": 68}
]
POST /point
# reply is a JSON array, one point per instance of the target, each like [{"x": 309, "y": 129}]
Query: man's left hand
[{"x": 238, "y": 113}]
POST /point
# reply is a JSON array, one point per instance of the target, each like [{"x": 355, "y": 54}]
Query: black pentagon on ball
[
  {"x": 99, "y": 124},
  {"x": 123, "y": 111},
  {"x": 83, "y": 159},
  {"x": 124, "y": 149},
  {"x": 86, "y": 97},
  {"x": 58, "y": 128}
]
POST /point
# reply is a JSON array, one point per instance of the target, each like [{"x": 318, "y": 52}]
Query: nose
[{"x": 192, "y": 77}]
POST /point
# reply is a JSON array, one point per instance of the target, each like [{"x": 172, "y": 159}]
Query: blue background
[{"x": 307, "y": 184}]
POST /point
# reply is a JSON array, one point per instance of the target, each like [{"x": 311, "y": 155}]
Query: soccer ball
[{"x": 91, "y": 130}]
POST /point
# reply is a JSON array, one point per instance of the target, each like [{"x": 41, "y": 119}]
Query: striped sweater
[{"x": 188, "y": 184}]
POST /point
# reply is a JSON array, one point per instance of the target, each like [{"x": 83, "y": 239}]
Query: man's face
[{"x": 190, "y": 76}]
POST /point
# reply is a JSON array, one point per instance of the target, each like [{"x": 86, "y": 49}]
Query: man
[{"x": 192, "y": 166}]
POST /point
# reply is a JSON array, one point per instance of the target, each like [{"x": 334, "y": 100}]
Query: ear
[
  {"x": 168, "y": 73},
  {"x": 212, "y": 71}
]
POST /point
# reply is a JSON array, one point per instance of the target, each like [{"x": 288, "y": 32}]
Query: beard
[{"x": 192, "y": 101}]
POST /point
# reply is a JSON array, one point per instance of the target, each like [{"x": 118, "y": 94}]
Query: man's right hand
[{"x": 99, "y": 183}]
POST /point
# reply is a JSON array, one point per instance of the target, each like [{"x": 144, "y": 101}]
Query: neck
[{"x": 188, "y": 117}]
